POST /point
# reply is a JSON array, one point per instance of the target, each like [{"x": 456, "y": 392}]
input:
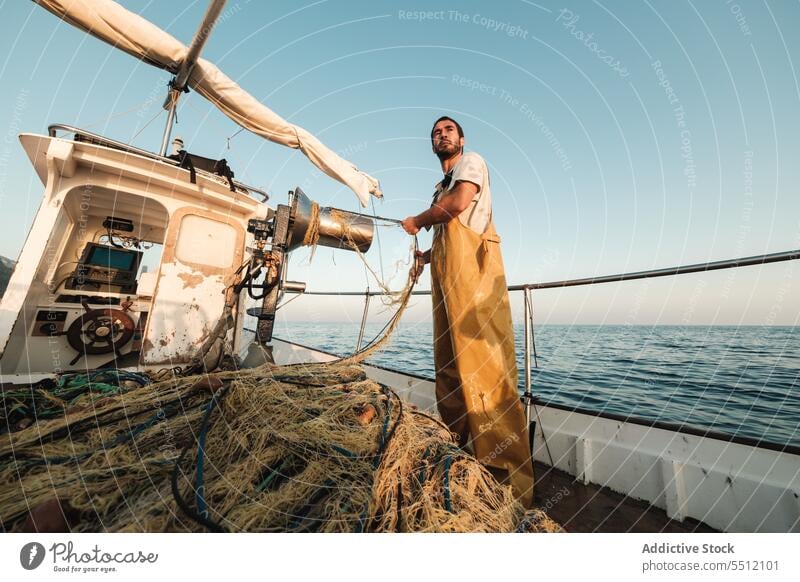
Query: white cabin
[{"x": 174, "y": 249}]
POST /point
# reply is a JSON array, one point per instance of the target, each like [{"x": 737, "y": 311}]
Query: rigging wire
[
  {"x": 366, "y": 280},
  {"x": 285, "y": 303},
  {"x": 234, "y": 134},
  {"x": 378, "y": 239},
  {"x": 220, "y": 131},
  {"x": 108, "y": 118},
  {"x": 152, "y": 119}
]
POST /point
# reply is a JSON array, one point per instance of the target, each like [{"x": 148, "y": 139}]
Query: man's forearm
[
  {"x": 436, "y": 214},
  {"x": 444, "y": 210}
]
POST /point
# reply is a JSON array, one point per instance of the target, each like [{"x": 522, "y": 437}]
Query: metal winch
[{"x": 300, "y": 223}]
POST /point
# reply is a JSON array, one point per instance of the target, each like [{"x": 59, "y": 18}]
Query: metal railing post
[
  {"x": 527, "y": 397},
  {"x": 367, "y": 297},
  {"x": 530, "y": 339},
  {"x": 533, "y": 333}
]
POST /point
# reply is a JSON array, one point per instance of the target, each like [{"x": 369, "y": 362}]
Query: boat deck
[{"x": 586, "y": 508}]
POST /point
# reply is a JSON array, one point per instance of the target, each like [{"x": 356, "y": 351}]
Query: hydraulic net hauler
[{"x": 301, "y": 223}]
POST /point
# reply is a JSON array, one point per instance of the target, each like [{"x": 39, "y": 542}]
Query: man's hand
[
  {"x": 410, "y": 225},
  {"x": 420, "y": 260}
]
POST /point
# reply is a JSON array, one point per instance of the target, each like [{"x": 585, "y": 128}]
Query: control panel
[
  {"x": 107, "y": 265},
  {"x": 49, "y": 323}
]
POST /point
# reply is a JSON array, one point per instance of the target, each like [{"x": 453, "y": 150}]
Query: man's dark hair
[{"x": 446, "y": 118}]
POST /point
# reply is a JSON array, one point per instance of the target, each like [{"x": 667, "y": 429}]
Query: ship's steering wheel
[{"x": 100, "y": 331}]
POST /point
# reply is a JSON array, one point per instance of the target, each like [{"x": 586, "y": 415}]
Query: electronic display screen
[{"x": 111, "y": 258}]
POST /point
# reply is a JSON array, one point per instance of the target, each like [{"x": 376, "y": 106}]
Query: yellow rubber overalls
[{"x": 476, "y": 372}]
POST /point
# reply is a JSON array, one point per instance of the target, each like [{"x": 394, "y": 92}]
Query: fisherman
[{"x": 476, "y": 373}]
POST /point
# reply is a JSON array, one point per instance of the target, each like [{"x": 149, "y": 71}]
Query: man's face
[{"x": 446, "y": 141}]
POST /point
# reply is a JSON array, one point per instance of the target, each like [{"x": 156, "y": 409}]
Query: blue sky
[{"x": 620, "y": 136}]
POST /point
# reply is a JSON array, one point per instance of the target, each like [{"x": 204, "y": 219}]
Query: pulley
[{"x": 326, "y": 226}]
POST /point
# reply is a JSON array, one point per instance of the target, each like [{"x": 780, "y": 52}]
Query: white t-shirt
[{"x": 472, "y": 168}]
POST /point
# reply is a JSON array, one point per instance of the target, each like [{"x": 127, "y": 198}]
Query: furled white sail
[{"x": 131, "y": 33}]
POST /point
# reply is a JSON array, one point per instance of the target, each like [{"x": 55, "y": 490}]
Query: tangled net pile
[{"x": 313, "y": 447}]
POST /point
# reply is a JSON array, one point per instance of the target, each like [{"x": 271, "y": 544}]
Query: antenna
[{"x": 178, "y": 83}]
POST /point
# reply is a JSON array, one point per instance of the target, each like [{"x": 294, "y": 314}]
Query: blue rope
[
  {"x": 385, "y": 428},
  {"x": 448, "y": 461},
  {"x": 343, "y": 451},
  {"x": 384, "y": 433},
  {"x": 104, "y": 382},
  {"x": 361, "y": 519},
  {"x": 272, "y": 475},
  {"x": 423, "y": 466},
  {"x": 118, "y": 440},
  {"x": 201, "y": 517},
  {"x": 301, "y": 515},
  {"x": 71, "y": 380},
  {"x": 200, "y": 487}
]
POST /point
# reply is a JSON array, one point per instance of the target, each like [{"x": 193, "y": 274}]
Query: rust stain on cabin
[{"x": 190, "y": 280}]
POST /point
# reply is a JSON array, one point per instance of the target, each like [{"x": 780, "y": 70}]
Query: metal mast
[{"x": 178, "y": 83}]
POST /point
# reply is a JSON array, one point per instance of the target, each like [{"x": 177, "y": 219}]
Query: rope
[
  {"x": 49, "y": 399},
  {"x": 200, "y": 517},
  {"x": 199, "y": 483},
  {"x": 311, "y": 237},
  {"x": 448, "y": 504},
  {"x": 399, "y": 298}
]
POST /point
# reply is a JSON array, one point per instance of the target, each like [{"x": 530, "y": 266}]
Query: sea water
[{"x": 742, "y": 381}]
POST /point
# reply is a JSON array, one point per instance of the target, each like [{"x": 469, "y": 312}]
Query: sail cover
[{"x": 135, "y": 35}]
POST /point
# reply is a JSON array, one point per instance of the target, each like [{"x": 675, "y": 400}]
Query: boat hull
[{"x": 728, "y": 484}]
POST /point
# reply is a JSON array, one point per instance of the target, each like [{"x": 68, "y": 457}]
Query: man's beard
[{"x": 446, "y": 150}]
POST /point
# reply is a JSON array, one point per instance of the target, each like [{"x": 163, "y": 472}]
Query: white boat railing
[
  {"x": 53, "y": 130},
  {"x": 527, "y": 288}
]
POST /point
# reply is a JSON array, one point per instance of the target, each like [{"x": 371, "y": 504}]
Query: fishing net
[{"x": 299, "y": 448}]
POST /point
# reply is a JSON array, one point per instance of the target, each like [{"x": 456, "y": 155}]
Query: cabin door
[{"x": 202, "y": 252}]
